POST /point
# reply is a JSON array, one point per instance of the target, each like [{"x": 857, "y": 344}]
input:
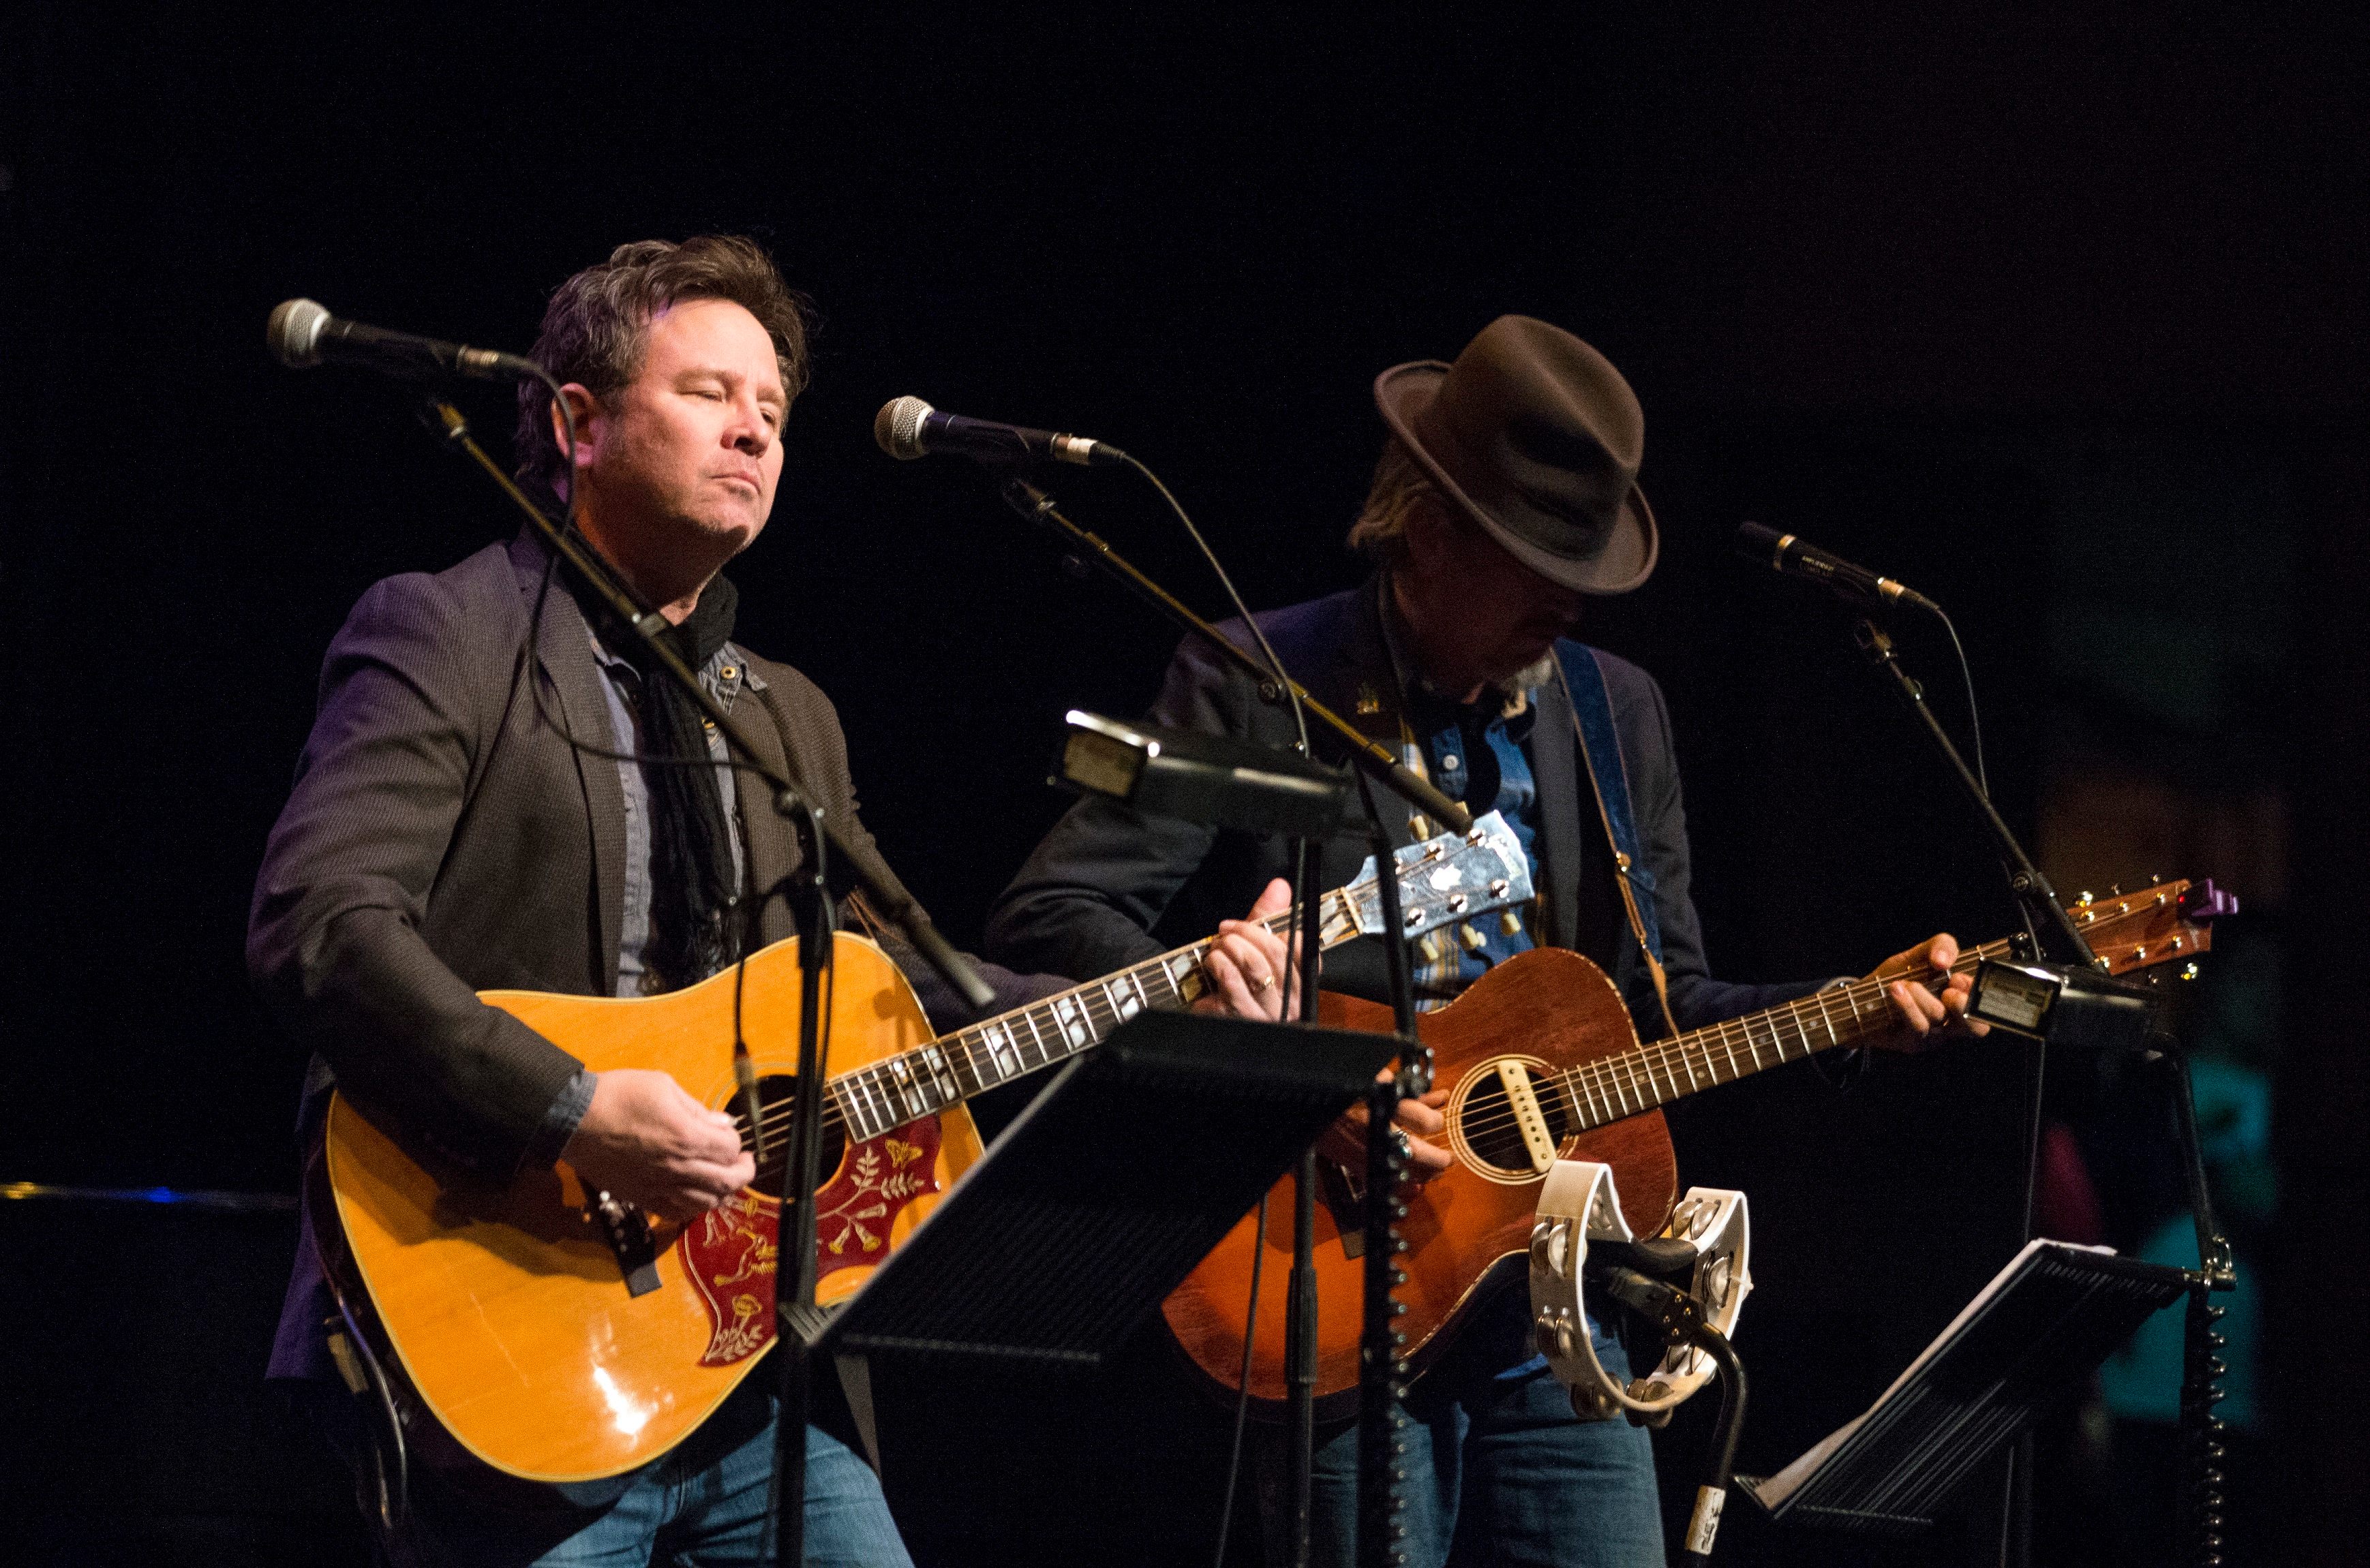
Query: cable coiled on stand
[
  {"x": 2201, "y": 1390},
  {"x": 1382, "y": 1450}
]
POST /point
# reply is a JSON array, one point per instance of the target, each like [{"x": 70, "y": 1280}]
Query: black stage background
[{"x": 2060, "y": 321}]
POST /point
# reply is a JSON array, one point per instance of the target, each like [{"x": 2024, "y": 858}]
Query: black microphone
[
  {"x": 908, "y": 428},
  {"x": 302, "y": 334},
  {"x": 1785, "y": 553}
]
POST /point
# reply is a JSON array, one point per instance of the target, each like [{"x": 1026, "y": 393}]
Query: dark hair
[{"x": 597, "y": 325}]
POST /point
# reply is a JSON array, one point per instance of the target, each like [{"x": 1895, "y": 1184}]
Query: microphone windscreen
[
  {"x": 293, "y": 333},
  {"x": 898, "y": 427},
  {"x": 1757, "y": 543}
]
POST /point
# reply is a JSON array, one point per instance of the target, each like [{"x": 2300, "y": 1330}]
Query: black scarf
[{"x": 695, "y": 924}]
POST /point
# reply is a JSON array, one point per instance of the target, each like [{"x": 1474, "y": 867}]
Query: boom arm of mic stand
[
  {"x": 882, "y": 889},
  {"x": 1038, "y": 507},
  {"x": 2031, "y": 889}
]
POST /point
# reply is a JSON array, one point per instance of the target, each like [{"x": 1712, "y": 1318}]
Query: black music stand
[
  {"x": 2029, "y": 1341},
  {"x": 1103, "y": 1195}
]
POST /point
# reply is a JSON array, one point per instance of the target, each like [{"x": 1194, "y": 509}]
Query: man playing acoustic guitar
[
  {"x": 1505, "y": 497},
  {"x": 498, "y": 792}
]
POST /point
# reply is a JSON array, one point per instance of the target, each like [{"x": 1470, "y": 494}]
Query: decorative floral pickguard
[{"x": 731, "y": 1252}]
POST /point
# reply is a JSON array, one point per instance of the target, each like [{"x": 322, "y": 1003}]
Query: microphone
[
  {"x": 908, "y": 428},
  {"x": 302, "y": 334},
  {"x": 1785, "y": 553}
]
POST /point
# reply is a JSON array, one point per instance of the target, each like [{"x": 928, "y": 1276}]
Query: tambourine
[{"x": 1577, "y": 1205}]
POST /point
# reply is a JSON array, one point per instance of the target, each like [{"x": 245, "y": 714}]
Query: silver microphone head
[
  {"x": 898, "y": 427},
  {"x": 293, "y": 333}
]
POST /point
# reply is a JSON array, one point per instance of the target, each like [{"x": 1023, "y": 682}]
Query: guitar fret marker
[
  {"x": 862, "y": 1083},
  {"x": 1630, "y": 1063},
  {"x": 999, "y": 1050}
]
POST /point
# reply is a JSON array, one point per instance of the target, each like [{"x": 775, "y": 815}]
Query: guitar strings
[
  {"x": 1092, "y": 1000},
  {"x": 1684, "y": 1054},
  {"x": 964, "y": 1047},
  {"x": 1609, "y": 1084},
  {"x": 1597, "y": 1079},
  {"x": 1605, "y": 1079}
]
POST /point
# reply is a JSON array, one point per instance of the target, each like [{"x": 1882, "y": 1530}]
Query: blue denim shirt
[{"x": 1479, "y": 755}]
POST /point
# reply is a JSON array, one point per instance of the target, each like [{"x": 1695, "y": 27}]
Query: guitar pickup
[
  {"x": 629, "y": 1233},
  {"x": 1528, "y": 1117}
]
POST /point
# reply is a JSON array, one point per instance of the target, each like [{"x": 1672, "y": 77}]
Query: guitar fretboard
[
  {"x": 871, "y": 1101},
  {"x": 1648, "y": 1076}
]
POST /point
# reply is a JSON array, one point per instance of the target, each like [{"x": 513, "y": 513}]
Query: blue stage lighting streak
[{"x": 215, "y": 1200}]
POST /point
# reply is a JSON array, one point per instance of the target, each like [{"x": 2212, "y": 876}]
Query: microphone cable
[{"x": 1307, "y": 987}]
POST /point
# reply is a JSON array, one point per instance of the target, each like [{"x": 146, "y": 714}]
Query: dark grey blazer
[
  {"x": 1107, "y": 875},
  {"x": 442, "y": 838}
]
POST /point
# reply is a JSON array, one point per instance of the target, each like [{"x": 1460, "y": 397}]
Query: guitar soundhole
[
  {"x": 1491, "y": 1134},
  {"x": 778, "y": 1097}
]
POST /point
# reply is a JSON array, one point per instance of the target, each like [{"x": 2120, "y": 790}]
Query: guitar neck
[
  {"x": 951, "y": 1068},
  {"x": 1647, "y": 1076}
]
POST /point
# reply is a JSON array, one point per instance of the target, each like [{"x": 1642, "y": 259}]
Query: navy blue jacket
[{"x": 1110, "y": 886}]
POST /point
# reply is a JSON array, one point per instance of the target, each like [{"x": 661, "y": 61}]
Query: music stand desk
[
  {"x": 2029, "y": 1339},
  {"x": 1107, "y": 1190}
]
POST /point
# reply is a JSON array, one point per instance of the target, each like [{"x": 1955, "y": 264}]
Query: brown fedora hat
[{"x": 1536, "y": 436}]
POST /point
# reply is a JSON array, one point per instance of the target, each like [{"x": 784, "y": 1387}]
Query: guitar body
[
  {"x": 506, "y": 1309},
  {"x": 1468, "y": 1229}
]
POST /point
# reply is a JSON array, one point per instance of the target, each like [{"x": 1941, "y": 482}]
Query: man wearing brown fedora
[{"x": 1506, "y": 497}]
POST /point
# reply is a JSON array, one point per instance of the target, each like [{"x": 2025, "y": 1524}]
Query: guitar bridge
[{"x": 629, "y": 1233}]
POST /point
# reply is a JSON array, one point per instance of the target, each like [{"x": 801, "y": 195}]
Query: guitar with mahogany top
[
  {"x": 1541, "y": 1062},
  {"x": 555, "y": 1335}
]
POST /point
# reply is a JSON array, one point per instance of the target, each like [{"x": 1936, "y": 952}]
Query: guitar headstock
[
  {"x": 2161, "y": 923},
  {"x": 1443, "y": 880}
]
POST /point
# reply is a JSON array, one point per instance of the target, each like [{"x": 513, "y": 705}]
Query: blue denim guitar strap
[{"x": 1600, "y": 751}]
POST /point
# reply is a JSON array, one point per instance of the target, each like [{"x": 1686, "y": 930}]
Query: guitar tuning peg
[
  {"x": 1510, "y": 922},
  {"x": 1429, "y": 946},
  {"x": 2083, "y": 901},
  {"x": 1419, "y": 827},
  {"x": 2188, "y": 971},
  {"x": 2114, "y": 889},
  {"x": 1473, "y": 940}
]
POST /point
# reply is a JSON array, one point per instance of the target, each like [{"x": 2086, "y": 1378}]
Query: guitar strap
[{"x": 1583, "y": 679}]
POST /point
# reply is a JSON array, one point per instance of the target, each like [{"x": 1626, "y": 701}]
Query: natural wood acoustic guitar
[
  {"x": 556, "y": 1337},
  {"x": 1541, "y": 1062}
]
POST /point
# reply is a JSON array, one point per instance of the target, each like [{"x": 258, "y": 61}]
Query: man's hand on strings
[
  {"x": 1420, "y": 1120},
  {"x": 1929, "y": 1002},
  {"x": 1249, "y": 967},
  {"x": 645, "y": 1141}
]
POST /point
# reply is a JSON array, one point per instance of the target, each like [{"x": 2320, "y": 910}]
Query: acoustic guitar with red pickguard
[{"x": 556, "y": 1337}]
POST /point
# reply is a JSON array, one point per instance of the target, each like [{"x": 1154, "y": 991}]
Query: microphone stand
[
  {"x": 1380, "y": 1386},
  {"x": 887, "y": 896},
  {"x": 2052, "y": 928},
  {"x": 1373, "y": 761},
  {"x": 1079, "y": 544},
  {"x": 798, "y": 1317}
]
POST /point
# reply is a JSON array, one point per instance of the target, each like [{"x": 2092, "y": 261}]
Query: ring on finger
[{"x": 1262, "y": 984}]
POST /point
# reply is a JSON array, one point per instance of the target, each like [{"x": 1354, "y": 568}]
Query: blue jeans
[
  {"x": 704, "y": 1505},
  {"x": 1499, "y": 1470}
]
